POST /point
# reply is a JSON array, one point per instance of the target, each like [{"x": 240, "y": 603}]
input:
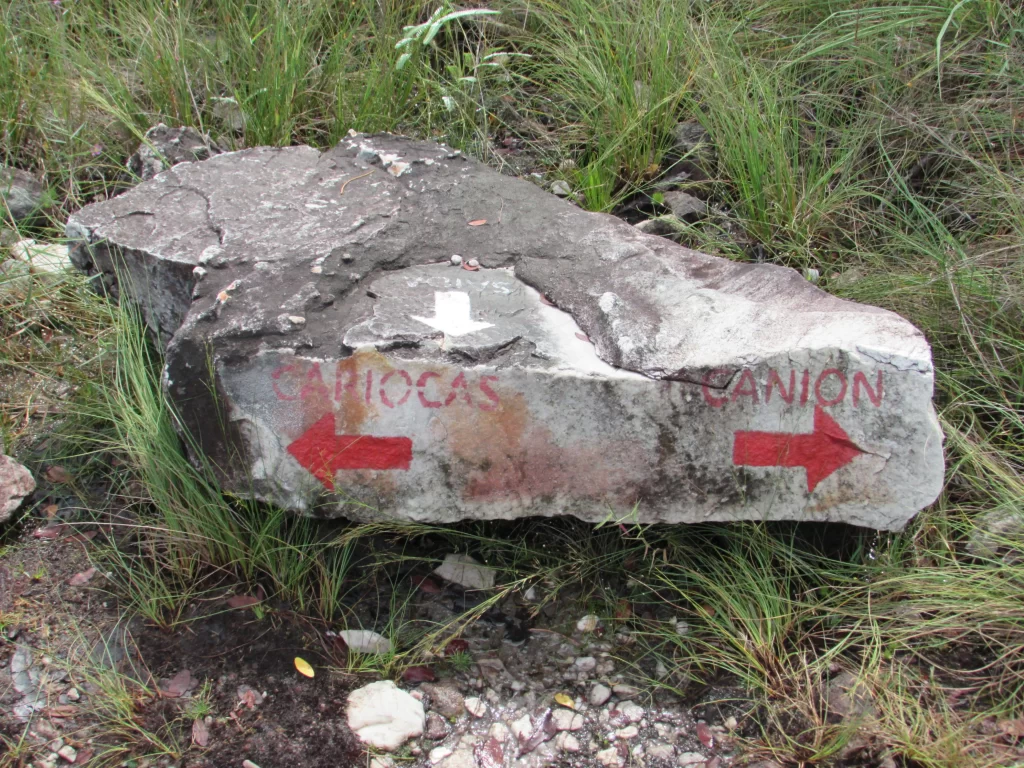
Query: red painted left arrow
[
  {"x": 821, "y": 453},
  {"x": 323, "y": 453}
]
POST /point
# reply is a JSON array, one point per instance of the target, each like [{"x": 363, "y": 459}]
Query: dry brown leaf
[
  {"x": 200, "y": 733},
  {"x": 50, "y": 532},
  {"x": 477, "y": 222},
  {"x": 56, "y": 474},
  {"x": 51, "y": 511},
  {"x": 1013, "y": 728},
  {"x": 704, "y": 734},
  {"x": 82, "y": 578},
  {"x": 565, "y": 700},
  {"x": 178, "y": 685},
  {"x": 242, "y": 601}
]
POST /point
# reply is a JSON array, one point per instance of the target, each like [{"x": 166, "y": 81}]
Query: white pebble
[
  {"x": 588, "y": 623},
  {"x": 456, "y": 260}
]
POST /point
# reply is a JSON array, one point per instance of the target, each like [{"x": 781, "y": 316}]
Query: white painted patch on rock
[{"x": 384, "y": 716}]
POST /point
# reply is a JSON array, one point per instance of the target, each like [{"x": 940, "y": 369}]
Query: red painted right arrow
[{"x": 821, "y": 453}]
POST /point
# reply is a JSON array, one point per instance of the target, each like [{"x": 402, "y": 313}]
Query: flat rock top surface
[{"x": 578, "y": 366}]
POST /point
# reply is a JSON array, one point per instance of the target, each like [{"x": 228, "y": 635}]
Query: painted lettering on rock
[
  {"x": 303, "y": 381},
  {"x": 825, "y": 388}
]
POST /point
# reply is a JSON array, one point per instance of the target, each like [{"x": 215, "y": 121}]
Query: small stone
[
  {"x": 68, "y": 753},
  {"x": 437, "y": 754},
  {"x": 383, "y": 716},
  {"x": 165, "y": 147},
  {"x": 599, "y": 694},
  {"x": 16, "y": 483},
  {"x": 682, "y": 628},
  {"x": 566, "y": 720},
  {"x": 624, "y": 691},
  {"x": 585, "y": 663},
  {"x": 473, "y": 263},
  {"x": 522, "y": 728},
  {"x": 456, "y": 260},
  {"x": 812, "y": 275},
  {"x": 561, "y": 188},
  {"x": 588, "y": 623},
  {"x": 566, "y": 742},
  {"x": 610, "y": 758},
  {"x": 380, "y": 761},
  {"x": 690, "y": 758},
  {"x": 731, "y": 723},
  {"x": 629, "y": 732},
  {"x": 42, "y": 258},
  {"x": 686, "y": 207},
  {"x": 657, "y": 750},
  {"x": 476, "y": 707},
  {"x": 628, "y": 712},
  {"x": 466, "y": 572},
  {"x": 436, "y": 727},
  {"x": 20, "y": 192},
  {"x": 444, "y": 699}
]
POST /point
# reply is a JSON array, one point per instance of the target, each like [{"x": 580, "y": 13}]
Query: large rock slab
[{"x": 328, "y": 356}]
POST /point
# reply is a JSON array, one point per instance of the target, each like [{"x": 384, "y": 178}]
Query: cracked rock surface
[{"x": 565, "y": 363}]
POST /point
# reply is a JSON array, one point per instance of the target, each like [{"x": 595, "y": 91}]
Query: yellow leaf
[
  {"x": 565, "y": 700},
  {"x": 304, "y": 667}
]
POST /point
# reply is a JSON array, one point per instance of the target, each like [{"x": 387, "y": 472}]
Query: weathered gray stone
[
  {"x": 164, "y": 147},
  {"x": 21, "y": 194},
  {"x": 16, "y": 482},
  {"x": 584, "y": 368}
]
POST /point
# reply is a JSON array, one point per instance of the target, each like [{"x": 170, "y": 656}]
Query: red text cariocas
[{"x": 395, "y": 388}]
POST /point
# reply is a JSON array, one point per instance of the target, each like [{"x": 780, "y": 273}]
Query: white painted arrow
[{"x": 451, "y": 314}]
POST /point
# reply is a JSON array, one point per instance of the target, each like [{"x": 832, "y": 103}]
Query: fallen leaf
[
  {"x": 565, "y": 700},
  {"x": 82, "y": 536},
  {"x": 489, "y": 754},
  {"x": 704, "y": 734},
  {"x": 1013, "y": 728},
  {"x": 178, "y": 685},
  {"x": 249, "y": 696},
  {"x": 427, "y": 584},
  {"x": 458, "y": 645},
  {"x": 49, "y": 532},
  {"x": 242, "y": 601},
  {"x": 304, "y": 667},
  {"x": 468, "y": 268},
  {"x": 545, "y": 300},
  {"x": 82, "y": 578},
  {"x": 56, "y": 474},
  {"x": 200, "y": 733},
  {"x": 582, "y": 336},
  {"x": 419, "y": 674},
  {"x": 477, "y": 222},
  {"x": 623, "y": 609},
  {"x": 64, "y": 710},
  {"x": 51, "y": 511},
  {"x": 249, "y": 764}
]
